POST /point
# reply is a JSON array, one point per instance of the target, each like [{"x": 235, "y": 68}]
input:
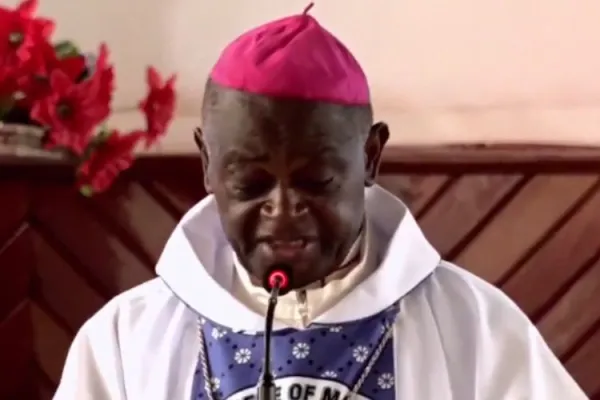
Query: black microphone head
[{"x": 278, "y": 274}]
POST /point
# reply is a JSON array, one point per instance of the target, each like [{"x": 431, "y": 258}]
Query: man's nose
[{"x": 284, "y": 202}]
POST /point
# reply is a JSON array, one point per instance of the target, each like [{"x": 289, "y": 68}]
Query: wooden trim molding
[
  {"x": 493, "y": 153},
  {"x": 500, "y": 158}
]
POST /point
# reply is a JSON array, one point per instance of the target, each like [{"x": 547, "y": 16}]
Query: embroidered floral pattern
[
  {"x": 329, "y": 374},
  {"x": 360, "y": 353},
  {"x": 385, "y": 381},
  {"x": 301, "y": 350},
  {"x": 242, "y": 356},
  {"x": 217, "y": 333}
]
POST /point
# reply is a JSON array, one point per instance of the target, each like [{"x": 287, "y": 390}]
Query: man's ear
[
  {"x": 199, "y": 140},
  {"x": 378, "y": 137}
]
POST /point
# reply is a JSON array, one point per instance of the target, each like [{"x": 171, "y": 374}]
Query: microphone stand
[{"x": 266, "y": 388}]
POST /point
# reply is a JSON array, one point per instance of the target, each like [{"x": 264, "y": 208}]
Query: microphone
[{"x": 277, "y": 282}]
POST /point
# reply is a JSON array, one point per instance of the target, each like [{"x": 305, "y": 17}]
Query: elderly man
[{"x": 290, "y": 157}]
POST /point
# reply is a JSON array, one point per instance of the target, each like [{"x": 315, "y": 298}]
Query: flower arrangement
[{"x": 56, "y": 90}]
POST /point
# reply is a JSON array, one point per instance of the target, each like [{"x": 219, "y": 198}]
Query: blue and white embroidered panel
[{"x": 322, "y": 362}]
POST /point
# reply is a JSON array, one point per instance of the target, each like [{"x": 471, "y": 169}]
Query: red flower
[
  {"x": 108, "y": 160},
  {"x": 48, "y": 83},
  {"x": 34, "y": 81},
  {"x": 70, "y": 112},
  {"x": 158, "y": 106},
  {"x": 101, "y": 83},
  {"x": 19, "y": 33}
]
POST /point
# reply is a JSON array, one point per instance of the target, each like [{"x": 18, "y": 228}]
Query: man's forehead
[
  {"x": 253, "y": 138},
  {"x": 260, "y": 122},
  {"x": 335, "y": 157}
]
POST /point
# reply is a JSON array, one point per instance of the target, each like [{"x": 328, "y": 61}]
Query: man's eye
[
  {"x": 316, "y": 185},
  {"x": 250, "y": 190}
]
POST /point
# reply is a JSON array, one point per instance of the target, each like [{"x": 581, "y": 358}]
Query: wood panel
[{"x": 527, "y": 220}]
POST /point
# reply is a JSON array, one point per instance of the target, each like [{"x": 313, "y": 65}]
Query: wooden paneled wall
[{"x": 525, "y": 219}]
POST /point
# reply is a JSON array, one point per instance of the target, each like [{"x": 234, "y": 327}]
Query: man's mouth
[{"x": 286, "y": 249}]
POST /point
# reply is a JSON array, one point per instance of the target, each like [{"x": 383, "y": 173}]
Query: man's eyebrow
[{"x": 241, "y": 157}]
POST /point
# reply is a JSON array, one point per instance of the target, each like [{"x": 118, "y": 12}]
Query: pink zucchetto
[{"x": 294, "y": 58}]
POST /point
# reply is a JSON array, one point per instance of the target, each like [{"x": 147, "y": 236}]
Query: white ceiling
[{"x": 440, "y": 71}]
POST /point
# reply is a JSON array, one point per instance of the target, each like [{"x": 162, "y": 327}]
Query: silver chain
[
  {"x": 374, "y": 357},
  {"x": 208, "y": 381},
  {"x": 206, "y": 375}
]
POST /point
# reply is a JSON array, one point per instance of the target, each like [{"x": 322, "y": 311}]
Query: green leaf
[
  {"x": 104, "y": 134},
  {"x": 86, "y": 190},
  {"x": 66, "y": 49},
  {"x": 6, "y": 104},
  {"x": 97, "y": 141}
]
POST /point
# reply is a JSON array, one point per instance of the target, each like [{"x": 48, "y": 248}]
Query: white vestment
[{"x": 456, "y": 337}]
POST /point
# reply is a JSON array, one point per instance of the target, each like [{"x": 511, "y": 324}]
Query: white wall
[{"x": 441, "y": 71}]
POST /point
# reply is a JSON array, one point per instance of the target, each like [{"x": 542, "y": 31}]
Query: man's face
[{"x": 288, "y": 178}]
